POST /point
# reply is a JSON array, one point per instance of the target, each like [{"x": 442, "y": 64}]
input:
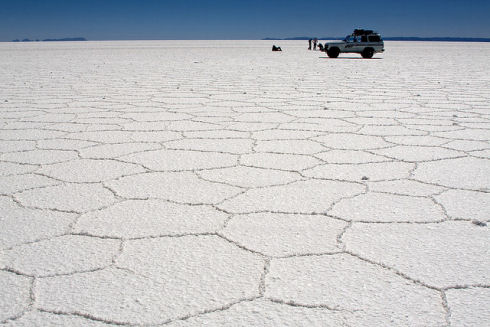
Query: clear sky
[{"x": 239, "y": 19}]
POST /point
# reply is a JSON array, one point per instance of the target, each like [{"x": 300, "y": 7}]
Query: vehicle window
[
  {"x": 374, "y": 38},
  {"x": 364, "y": 38}
]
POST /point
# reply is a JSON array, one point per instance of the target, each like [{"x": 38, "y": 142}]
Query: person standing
[
  {"x": 309, "y": 44},
  {"x": 315, "y": 41}
]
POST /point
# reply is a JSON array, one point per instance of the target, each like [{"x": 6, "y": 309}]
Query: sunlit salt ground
[{"x": 186, "y": 183}]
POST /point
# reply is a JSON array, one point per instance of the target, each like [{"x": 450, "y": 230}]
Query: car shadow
[{"x": 351, "y": 58}]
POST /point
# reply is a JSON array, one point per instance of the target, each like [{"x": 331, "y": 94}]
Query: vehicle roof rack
[{"x": 359, "y": 32}]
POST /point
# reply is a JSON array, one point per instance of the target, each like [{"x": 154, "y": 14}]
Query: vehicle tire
[
  {"x": 367, "y": 53},
  {"x": 333, "y": 52}
]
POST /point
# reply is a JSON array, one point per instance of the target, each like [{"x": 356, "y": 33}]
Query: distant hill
[
  {"x": 297, "y": 38},
  {"x": 301, "y": 38},
  {"x": 397, "y": 38},
  {"x": 67, "y": 39},
  {"x": 53, "y": 40}
]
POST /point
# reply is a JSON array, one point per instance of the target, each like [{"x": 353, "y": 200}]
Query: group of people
[
  {"x": 315, "y": 44},
  {"x": 310, "y": 42}
]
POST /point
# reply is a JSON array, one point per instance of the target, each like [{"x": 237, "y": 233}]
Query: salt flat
[{"x": 185, "y": 183}]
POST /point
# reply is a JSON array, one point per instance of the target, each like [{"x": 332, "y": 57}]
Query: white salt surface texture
[{"x": 190, "y": 183}]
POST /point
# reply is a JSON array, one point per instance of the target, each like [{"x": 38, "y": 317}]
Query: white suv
[{"x": 365, "y": 42}]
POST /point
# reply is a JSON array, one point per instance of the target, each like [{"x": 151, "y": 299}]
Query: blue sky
[{"x": 238, "y": 19}]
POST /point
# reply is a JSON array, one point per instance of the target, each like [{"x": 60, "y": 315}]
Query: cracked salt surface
[{"x": 242, "y": 189}]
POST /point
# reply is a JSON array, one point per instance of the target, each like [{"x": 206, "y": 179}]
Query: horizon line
[{"x": 297, "y": 38}]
